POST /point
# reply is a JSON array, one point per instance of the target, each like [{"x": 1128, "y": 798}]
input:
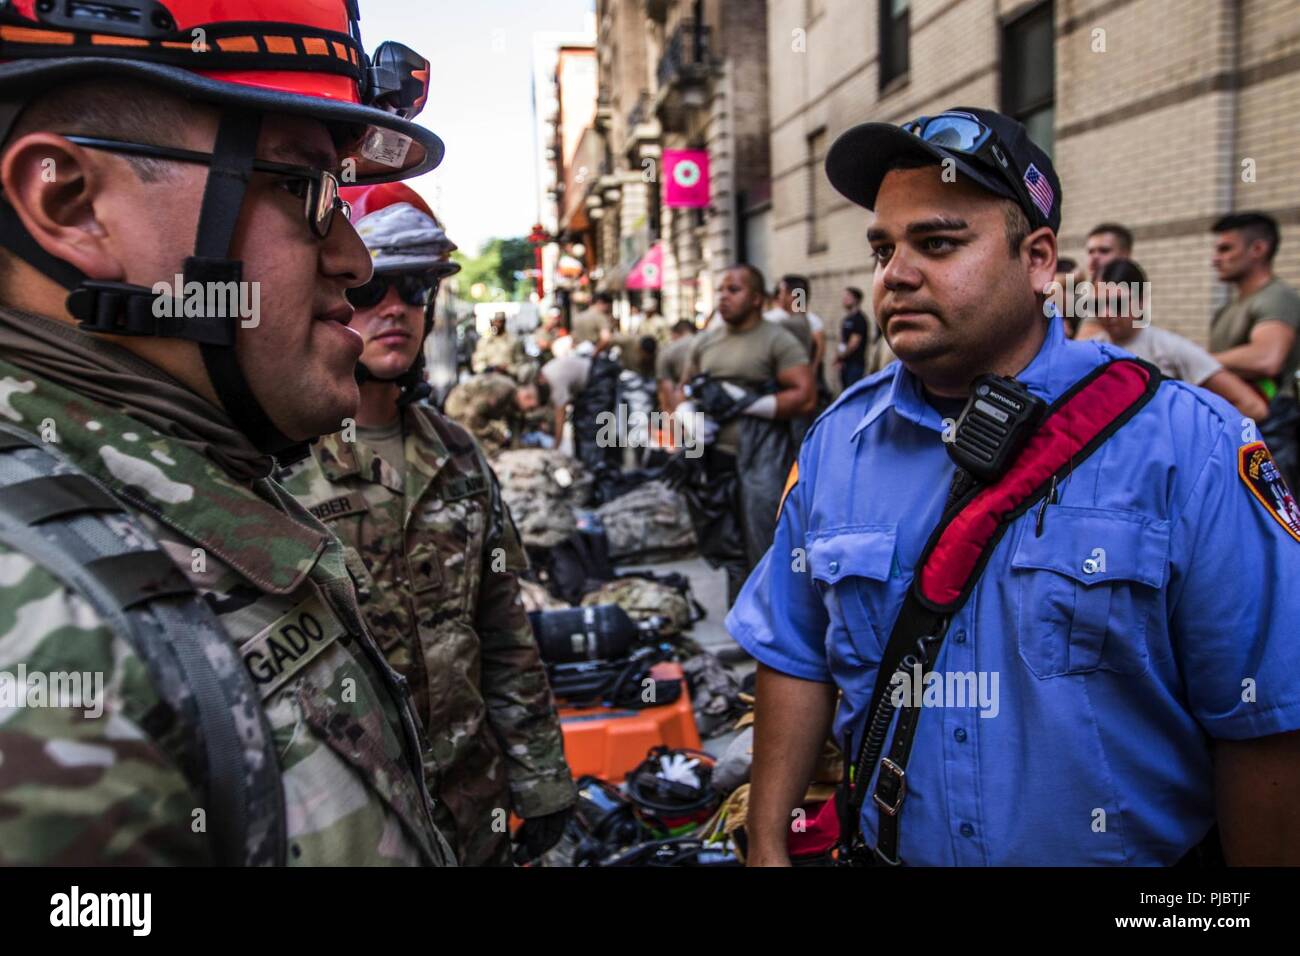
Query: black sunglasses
[
  {"x": 318, "y": 188},
  {"x": 411, "y": 289}
]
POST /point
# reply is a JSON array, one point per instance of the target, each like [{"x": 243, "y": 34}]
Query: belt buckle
[{"x": 897, "y": 774}]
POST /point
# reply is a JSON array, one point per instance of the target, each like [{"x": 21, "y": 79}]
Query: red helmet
[
  {"x": 400, "y": 230},
  {"x": 302, "y": 57},
  {"x": 367, "y": 199}
]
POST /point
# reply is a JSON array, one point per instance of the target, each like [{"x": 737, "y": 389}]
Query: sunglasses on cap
[
  {"x": 965, "y": 134},
  {"x": 411, "y": 289},
  {"x": 318, "y": 188}
]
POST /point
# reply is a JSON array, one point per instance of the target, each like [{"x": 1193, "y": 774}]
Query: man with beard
[
  {"x": 1126, "y": 574},
  {"x": 759, "y": 380},
  {"x": 435, "y": 554}
]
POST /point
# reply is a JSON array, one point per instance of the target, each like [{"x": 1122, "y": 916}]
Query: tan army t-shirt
[
  {"x": 1233, "y": 323},
  {"x": 796, "y": 324},
  {"x": 752, "y": 358},
  {"x": 567, "y": 376},
  {"x": 588, "y": 326},
  {"x": 671, "y": 360},
  {"x": 387, "y": 442}
]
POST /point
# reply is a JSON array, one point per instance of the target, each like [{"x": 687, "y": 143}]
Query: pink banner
[
  {"x": 648, "y": 273},
  {"x": 686, "y": 178}
]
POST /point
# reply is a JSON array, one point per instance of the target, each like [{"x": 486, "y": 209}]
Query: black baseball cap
[{"x": 859, "y": 159}]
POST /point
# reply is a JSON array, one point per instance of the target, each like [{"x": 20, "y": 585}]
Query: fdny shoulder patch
[{"x": 1261, "y": 475}]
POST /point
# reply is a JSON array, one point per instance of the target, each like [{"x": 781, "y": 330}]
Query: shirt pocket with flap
[
  {"x": 1088, "y": 588},
  {"x": 854, "y": 568}
]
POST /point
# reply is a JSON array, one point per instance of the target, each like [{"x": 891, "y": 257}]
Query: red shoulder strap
[{"x": 1075, "y": 426}]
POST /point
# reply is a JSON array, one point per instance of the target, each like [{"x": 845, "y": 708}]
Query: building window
[
  {"x": 1029, "y": 73},
  {"x": 820, "y": 194},
  {"x": 895, "y": 36}
]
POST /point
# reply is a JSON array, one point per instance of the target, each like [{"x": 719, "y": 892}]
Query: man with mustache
[
  {"x": 435, "y": 553},
  {"x": 1138, "y": 618}
]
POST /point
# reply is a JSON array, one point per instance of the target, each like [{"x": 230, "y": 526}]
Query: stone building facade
[{"x": 679, "y": 74}]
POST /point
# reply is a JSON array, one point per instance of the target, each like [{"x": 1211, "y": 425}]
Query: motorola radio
[{"x": 998, "y": 419}]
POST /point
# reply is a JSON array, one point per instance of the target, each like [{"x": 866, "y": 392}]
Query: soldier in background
[
  {"x": 655, "y": 325},
  {"x": 765, "y": 371},
  {"x": 225, "y": 734},
  {"x": 546, "y": 334},
  {"x": 498, "y": 351},
  {"x": 436, "y": 555},
  {"x": 493, "y": 407},
  {"x": 671, "y": 363},
  {"x": 594, "y": 324}
]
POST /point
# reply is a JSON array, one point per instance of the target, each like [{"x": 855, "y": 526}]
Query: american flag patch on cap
[{"x": 1040, "y": 190}]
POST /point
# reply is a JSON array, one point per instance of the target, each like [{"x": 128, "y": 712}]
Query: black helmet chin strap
[
  {"x": 232, "y": 165},
  {"x": 411, "y": 383},
  {"x": 119, "y": 308}
]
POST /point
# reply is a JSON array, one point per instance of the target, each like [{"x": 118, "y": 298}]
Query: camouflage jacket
[
  {"x": 81, "y": 790},
  {"x": 485, "y": 405},
  {"x": 438, "y": 556},
  {"x": 503, "y": 352}
]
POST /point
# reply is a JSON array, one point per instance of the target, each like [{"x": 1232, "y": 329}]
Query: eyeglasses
[
  {"x": 411, "y": 289},
  {"x": 318, "y": 188},
  {"x": 963, "y": 133}
]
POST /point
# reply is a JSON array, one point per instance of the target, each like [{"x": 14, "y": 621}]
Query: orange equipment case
[{"x": 608, "y": 742}]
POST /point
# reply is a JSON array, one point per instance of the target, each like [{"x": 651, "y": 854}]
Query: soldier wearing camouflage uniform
[
  {"x": 498, "y": 351},
  {"x": 437, "y": 557},
  {"x": 492, "y": 407},
  {"x": 163, "y": 429}
]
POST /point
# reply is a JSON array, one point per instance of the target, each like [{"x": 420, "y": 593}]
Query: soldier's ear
[{"x": 54, "y": 186}]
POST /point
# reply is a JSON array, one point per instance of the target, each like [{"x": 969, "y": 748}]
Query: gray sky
[{"x": 480, "y": 102}]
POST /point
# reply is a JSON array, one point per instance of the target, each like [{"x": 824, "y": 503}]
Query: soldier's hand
[{"x": 539, "y": 834}]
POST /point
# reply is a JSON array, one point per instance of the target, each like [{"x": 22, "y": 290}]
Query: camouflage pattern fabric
[
  {"x": 537, "y": 598},
  {"x": 543, "y": 521},
  {"x": 485, "y": 406},
  {"x": 715, "y": 692},
  {"x": 502, "y": 352},
  {"x": 542, "y": 487},
  {"x": 78, "y": 789},
  {"x": 435, "y": 556},
  {"x": 545, "y": 471},
  {"x": 644, "y": 599},
  {"x": 649, "y": 523}
]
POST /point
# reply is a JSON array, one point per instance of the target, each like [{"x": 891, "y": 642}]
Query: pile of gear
[
  {"x": 684, "y": 807},
  {"x": 602, "y": 633}
]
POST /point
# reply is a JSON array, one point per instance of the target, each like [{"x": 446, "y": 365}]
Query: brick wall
[{"x": 1151, "y": 132}]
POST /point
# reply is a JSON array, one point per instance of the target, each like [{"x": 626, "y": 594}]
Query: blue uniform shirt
[{"x": 1091, "y": 692}]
